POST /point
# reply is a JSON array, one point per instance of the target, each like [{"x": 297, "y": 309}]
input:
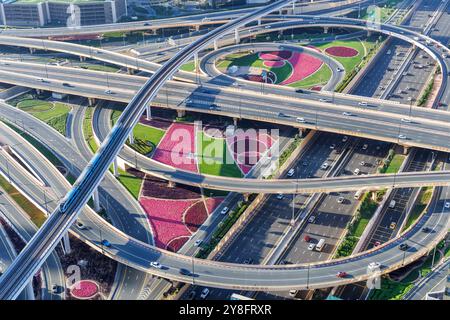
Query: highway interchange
[{"x": 253, "y": 283}]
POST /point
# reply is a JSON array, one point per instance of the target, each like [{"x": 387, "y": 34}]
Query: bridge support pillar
[
  {"x": 115, "y": 168},
  {"x": 32, "y": 50},
  {"x": 369, "y": 33},
  {"x": 66, "y": 243},
  {"x": 259, "y": 21},
  {"x": 171, "y": 184},
  {"x": 216, "y": 46},
  {"x": 39, "y": 91},
  {"x": 30, "y": 292},
  {"x": 131, "y": 138},
  {"x": 197, "y": 28},
  {"x": 91, "y": 102},
  {"x": 236, "y": 36},
  {"x": 405, "y": 150},
  {"x": 149, "y": 112},
  {"x": 82, "y": 58},
  {"x": 293, "y": 7},
  {"x": 130, "y": 71},
  {"x": 181, "y": 113},
  {"x": 196, "y": 66},
  {"x": 235, "y": 121},
  {"x": 325, "y": 30},
  {"x": 301, "y": 132},
  {"x": 246, "y": 196},
  {"x": 96, "y": 199}
]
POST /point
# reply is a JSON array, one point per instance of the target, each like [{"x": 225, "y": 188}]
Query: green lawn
[
  {"x": 53, "y": 113},
  {"x": 131, "y": 183},
  {"x": 146, "y": 137},
  {"x": 189, "y": 66},
  {"x": 351, "y": 62},
  {"x": 422, "y": 202},
  {"x": 395, "y": 164},
  {"x": 213, "y": 155},
  {"x": 98, "y": 67}
]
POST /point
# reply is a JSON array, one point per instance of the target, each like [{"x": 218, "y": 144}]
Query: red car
[
  {"x": 307, "y": 238},
  {"x": 341, "y": 274},
  {"x": 377, "y": 243}
]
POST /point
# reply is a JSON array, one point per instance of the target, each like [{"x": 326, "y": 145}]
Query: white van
[{"x": 320, "y": 245}]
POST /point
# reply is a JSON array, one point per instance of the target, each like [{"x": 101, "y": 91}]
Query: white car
[
  {"x": 300, "y": 120},
  {"x": 344, "y": 139},
  {"x": 365, "y": 146},
  {"x": 311, "y": 219},
  {"x": 204, "y": 293},
  {"x": 198, "y": 242},
  {"x": 374, "y": 266},
  {"x": 108, "y": 91},
  {"x": 447, "y": 205},
  {"x": 311, "y": 246},
  {"x": 401, "y": 136},
  {"x": 293, "y": 292},
  {"x": 290, "y": 172},
  {"x": 225, "y": 210},
  {"x": 340, "y": 200},
  {"x": 324, "y": 166},
  {"x": 324, "y": 100},
  {"x": 339, "y": 69},
  {"x": 356, "y": 172},
  {"x": 156, "y": 264},
  {"x": 80, "y": 225},
  {"x": 280, "y": 196},
  {"x": 347, "y": 114},
  {"x": 362, "y": 103},
  {"x": 406, "y": 120}
]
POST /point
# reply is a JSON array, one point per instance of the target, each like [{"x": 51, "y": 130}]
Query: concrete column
[
  {"x": 131, "y": 138},
  {"x": 405, "y": 150},
  {"x": 96, "y": 199},
  {"x": 149, "y": 112},
  {"x": 301, "y": 132},
  {"x": 259, "y": 21},
  {"x": 32, "y": 50},
  {"x": 235, "y": 121},
  {"x": 171, "y": 184},
  {"x": 246, "y": 196},
  {"x": 325, "y": 30},
  {"x": 38, "y": 91},
  {"x": 66, "y": 243},
  {"x": 130, "y": 71},
  {"x": 216, "y": 46},
  {"x": 82, "y": 58},
  {"x": 293, "y": 7},
  {"x": 369, "y": 33},
  {"x": 196, "y": 66},
  {"x": 91, "y": 102},
  {"x": 181, "y": 113},
  {"x": 30, "y": 292},
  {"x": 236, "y": 36},
  {"x": 115, "y": 168},
  {"x": 197, "y": 28}
]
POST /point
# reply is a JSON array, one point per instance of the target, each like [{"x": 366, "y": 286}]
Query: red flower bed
[
  {"x": 275, "y": 55},
  {"x": 213, "y": 203},
  {"x": 177, "y": 147},
  {"x": 176, "y": 244},
  {"x": 84, "y": 289},
  {"x": 157, "y": 188},
  {"x": 344, "y": 52},
  {"x": 195, "y": 216}
]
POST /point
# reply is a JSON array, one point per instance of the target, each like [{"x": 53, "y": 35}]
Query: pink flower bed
[
  {"x": 276, "y": 64},
  {"x": 303, "y": 66},
  {"x": 166, "y": 218},
  {"x": 275, "y": 55},
  {"x": 317, "y": 88},
  {"x": 340, "y": 51},
  {"x": 247, "y": 148},
  {"x": 173, "y": 221},
  {"x": 84, "y": 289},
  {"x": 177, "y": 147}
]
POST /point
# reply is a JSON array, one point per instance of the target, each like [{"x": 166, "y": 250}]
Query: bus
[
  {"x": 236, "y": 296},
  {"x": 320, "y": 245}
]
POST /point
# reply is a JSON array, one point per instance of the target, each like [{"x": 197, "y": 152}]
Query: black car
[
  {"x": 248, "y": 261},
  {"x": 185, "y": 272},
  {"x": 426, "y": 229},
  {"x": 403, "y": 247}
]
